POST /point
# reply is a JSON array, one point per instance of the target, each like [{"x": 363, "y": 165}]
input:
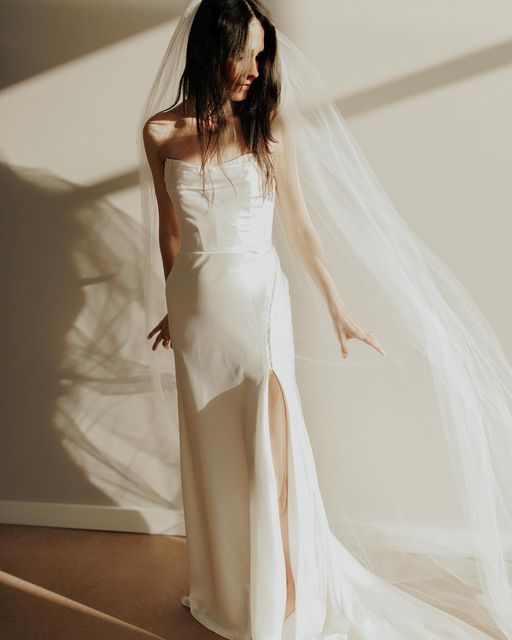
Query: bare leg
[{"x": 278, "y": 439}]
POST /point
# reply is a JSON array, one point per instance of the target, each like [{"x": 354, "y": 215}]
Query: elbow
[
  {"x": 166, "y": 231},
  {"x": 169, "y": 242},
  {"x": 304, "y": 236},
  {"x": 307, "y": 243}
]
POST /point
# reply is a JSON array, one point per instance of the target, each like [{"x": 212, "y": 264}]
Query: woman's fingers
[
  {"x": 373, "y": 343},
  {"x": 344, "y": 345},
  {"x": 166, "y": 333},
  {"x": 162, "y": 329},
  {"x": 355, "y": 331},
  {"x": 368, "y": 337},
  {"x": 153, "y": 331},
  {"x": 157, "y": 341},
  {"x": 166, "y": 343},
  {"x": 165, "y": 340}
]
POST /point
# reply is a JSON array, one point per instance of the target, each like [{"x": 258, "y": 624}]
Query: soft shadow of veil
[{"x": 79, "y": 397}]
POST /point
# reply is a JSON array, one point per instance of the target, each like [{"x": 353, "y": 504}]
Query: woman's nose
[{"x": 253, "y": 69}]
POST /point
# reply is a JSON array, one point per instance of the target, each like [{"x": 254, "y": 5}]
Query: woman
[
  {"x": 263, "y": 562},
  {"x": 171, "y": 139}
]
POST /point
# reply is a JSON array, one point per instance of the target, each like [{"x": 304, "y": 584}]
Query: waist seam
[{"x": 235, "y": 250}]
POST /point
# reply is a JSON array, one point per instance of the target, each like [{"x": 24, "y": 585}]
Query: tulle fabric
[{"x": 434, "y": 519}]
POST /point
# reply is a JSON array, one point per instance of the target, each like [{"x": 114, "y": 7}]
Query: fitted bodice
[{"x": 232, "y": 212}]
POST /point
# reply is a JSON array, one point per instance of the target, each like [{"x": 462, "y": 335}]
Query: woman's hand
[
  {"x": 162, "y": 331},
  {"x": 347, "y": 328}
]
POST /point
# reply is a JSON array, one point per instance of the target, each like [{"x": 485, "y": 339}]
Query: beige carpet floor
[{"x": 73, "y": 584}]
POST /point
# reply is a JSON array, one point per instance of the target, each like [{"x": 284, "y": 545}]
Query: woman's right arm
[
  {"x": 154, "y": 133},
  {"x": 168, "y": 231}
]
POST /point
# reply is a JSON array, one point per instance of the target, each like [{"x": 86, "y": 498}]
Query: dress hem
[{"x": 209, "y": 624}]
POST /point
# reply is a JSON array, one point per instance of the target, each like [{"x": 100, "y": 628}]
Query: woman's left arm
[{"x": 305, "y": 240}]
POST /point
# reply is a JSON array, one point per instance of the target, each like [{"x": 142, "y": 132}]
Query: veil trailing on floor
[{"x": 414, "y": 448}]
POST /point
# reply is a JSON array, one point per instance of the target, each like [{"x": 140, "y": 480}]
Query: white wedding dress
[{"x": 231, "y": 326}]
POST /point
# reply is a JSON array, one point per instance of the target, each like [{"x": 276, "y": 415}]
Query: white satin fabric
[{"x": 230, "y": 324}]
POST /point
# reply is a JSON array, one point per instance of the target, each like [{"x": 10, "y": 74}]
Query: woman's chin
[{"x": 238, "y": 96}]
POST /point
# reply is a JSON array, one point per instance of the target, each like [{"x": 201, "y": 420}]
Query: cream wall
[{"x": 426, "y": 89}]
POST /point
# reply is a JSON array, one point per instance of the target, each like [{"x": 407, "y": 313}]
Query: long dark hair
[{"x": 219, "y": 32}]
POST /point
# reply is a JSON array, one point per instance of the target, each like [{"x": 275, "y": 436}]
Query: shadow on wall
[
  {"x": 80, "y": 423},
  {"x": 50, "y": 34},
  {"x": 423, "y": 81},
  {"x": 379, "y": 96}
]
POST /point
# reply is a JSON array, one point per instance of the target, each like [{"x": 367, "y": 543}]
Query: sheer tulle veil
[{"x": 414, "y": 448}]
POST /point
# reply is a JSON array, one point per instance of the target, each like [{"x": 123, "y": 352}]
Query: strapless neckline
[{"x": 238, "y": 160}]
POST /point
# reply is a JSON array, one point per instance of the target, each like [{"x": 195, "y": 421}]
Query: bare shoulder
[
  {"x": 276, "y": 129},
  {"x": 282, "y": 134},
  {"x": 164, "y": 131},
  {"x": 283, "y": 149}
]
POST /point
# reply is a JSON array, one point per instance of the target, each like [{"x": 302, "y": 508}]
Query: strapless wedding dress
[{"x": 230, "y": 324}]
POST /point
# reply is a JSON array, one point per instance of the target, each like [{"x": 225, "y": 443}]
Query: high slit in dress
[{"x": 230, "y": 324}]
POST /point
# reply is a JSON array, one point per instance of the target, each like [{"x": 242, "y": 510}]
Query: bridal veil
[{"x": 418, "y": 481}]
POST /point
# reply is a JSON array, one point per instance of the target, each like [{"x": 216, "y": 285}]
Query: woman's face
[{"x": 244, "y": 69}]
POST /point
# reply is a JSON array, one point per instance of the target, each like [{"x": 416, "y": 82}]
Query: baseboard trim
[
  {"x": 103, "y": 518},
  {"x": 155, "y": 520}
]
